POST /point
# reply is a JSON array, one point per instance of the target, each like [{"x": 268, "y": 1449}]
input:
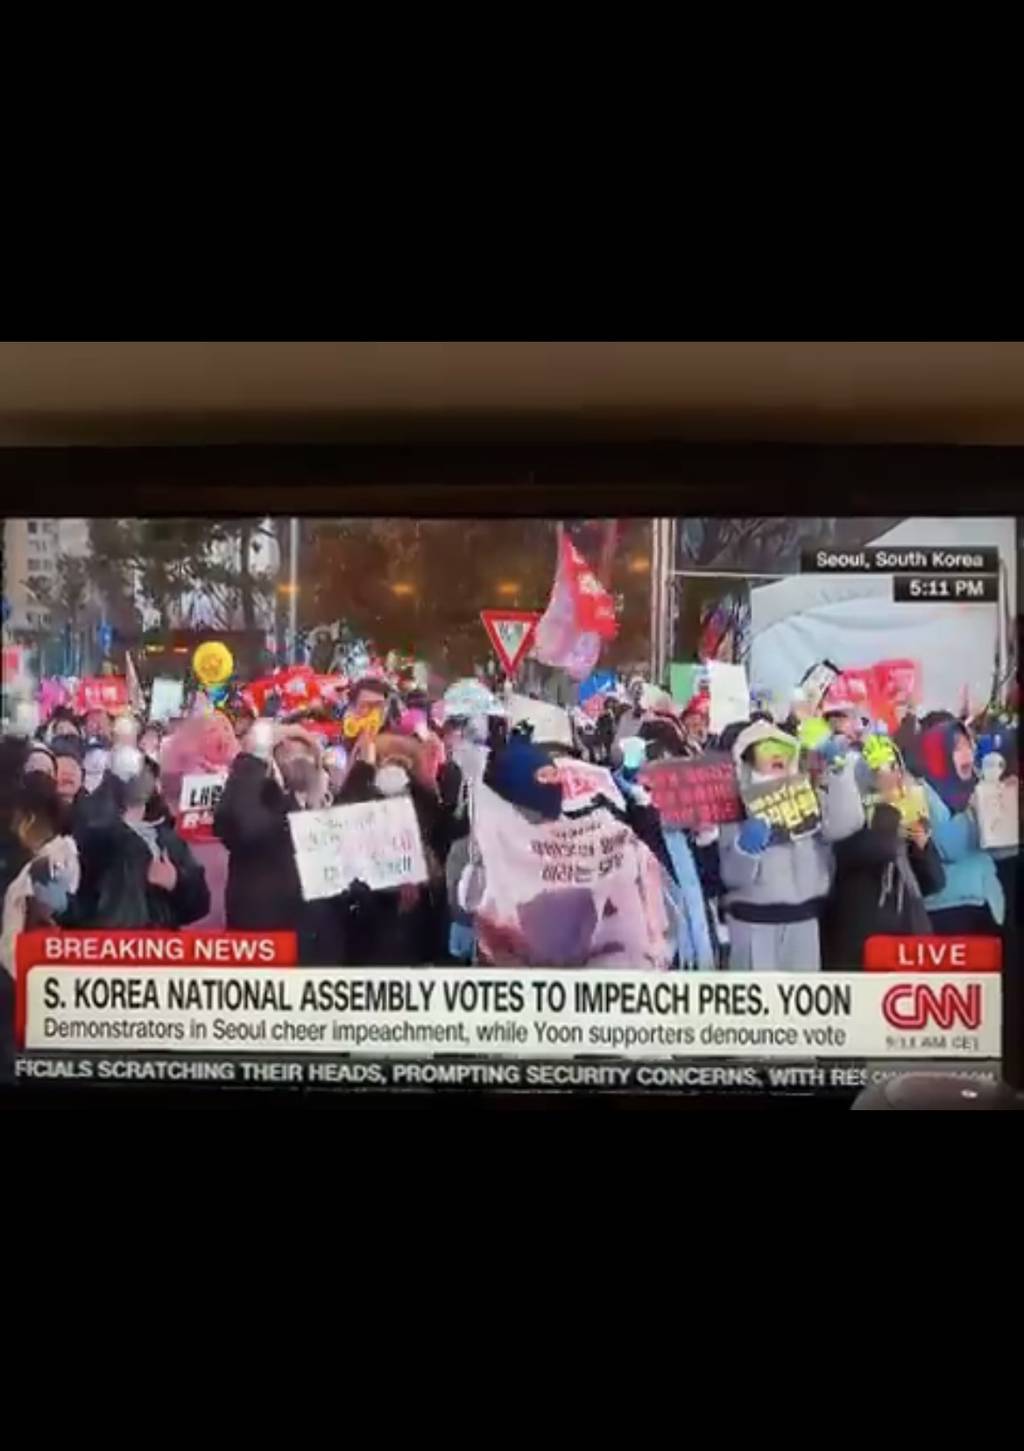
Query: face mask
[
  {"x": 392, "y": 780},
  {"x": 95, "y": 768}
]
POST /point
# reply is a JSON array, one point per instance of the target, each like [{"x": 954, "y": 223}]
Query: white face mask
[
  {"x": 392, "y": 780},
  {"x": 95, "y": 768}
]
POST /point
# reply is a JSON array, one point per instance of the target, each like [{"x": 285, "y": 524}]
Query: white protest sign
[
  {"x": 569, "y": 892},
  {"x": 200, "y": 795},
  {"x": 551, "y": 724},
  {"x": 374, "y": 842},
  {"x": 167, "y": 698},
  {"x": 997, "y": 806},
  {"x": 730, "y": 694}
]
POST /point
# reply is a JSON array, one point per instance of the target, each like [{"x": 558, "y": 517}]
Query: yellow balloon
[{"x": 213, "y": 663}]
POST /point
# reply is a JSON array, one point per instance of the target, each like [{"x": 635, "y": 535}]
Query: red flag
[{"x": 595, "y": 607}]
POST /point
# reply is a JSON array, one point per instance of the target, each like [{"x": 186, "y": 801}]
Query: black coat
[
  {"x": 263, "y": 892},
  {"x": 380, "y": 930},
  {"x": 115, "y": 891},
  {"x": 866, "y": 898}
]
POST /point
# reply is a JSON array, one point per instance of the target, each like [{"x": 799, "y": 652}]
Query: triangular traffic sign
[{"x": 511, "y": 633}]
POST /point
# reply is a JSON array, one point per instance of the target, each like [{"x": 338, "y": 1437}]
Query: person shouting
[{"x": 972, "y": 900}]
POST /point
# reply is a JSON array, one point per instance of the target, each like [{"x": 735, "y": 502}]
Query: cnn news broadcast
[{"x": 672, "y": 805}]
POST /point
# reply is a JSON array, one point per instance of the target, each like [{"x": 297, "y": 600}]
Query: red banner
[
  {"x": 102, "y": 692},
  {"x": 145, "y": 948},
  {"x": 298, "y": 687}
]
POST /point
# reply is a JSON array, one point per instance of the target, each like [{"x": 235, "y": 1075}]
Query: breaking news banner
[{"x": 63, "y": 1005}]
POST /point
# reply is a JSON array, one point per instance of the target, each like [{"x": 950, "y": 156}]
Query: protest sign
[
  {"x": 213, "y": 663},
  {"x": 997, "y": 807},
  {"x": 198, "y": 801},
  {"x": 166, "y": 699},
  {"x": 568, "y": 892},
  {"x": 685, "y": 680},
  {"x": 374, "y": 842},
  {"x": 600, "y": 683},
  {"x": 817, "y": 682},
  {"x": 911, "y": 803},
  {"x": 102, "y": 692},
  {"x": 789, "y": 806},
  {"x": 551, "y": 724},
  {"x": 583, "y": 784},
  {"x": 730, "y": 694},
  {"x": 694, "y": 794},
  {"x": 898, "y": 681}
]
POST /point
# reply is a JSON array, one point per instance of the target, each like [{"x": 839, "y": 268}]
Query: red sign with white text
[
  {"x": 102, "y": 692},
  {"x": 145, "y": 948},
  {"x": 933, "y": 953}
]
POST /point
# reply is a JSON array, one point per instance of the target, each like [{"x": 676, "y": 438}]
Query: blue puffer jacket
[{"x": 971, "y": 876}]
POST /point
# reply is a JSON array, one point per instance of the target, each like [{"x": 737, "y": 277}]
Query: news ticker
[{"x": 534, "y": 1075}]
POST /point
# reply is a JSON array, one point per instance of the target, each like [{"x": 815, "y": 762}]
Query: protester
[
  {"x": 776, "y": 890},
  {"x": 70, "y": 776},
  {"x": 408, "y": 924},
  {"x": 41, "y": 758},
  {"x": 42, "y": 891},
  {"x": 279, "y": 771},
  {"x": 971, "y": 901},
  {"x": 150, "y": 741},
  {"x": 97, "y": 726},
  {"x": 62, "y": 722},
  {"x": 885, "y": 870},
  {"x": 136, "y": 870}
]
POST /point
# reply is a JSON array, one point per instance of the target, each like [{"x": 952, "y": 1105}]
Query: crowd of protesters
[{"x": 90, "y": 838}]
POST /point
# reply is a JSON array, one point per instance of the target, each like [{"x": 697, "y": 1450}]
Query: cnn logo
[{"x": 919, "y": 1005}]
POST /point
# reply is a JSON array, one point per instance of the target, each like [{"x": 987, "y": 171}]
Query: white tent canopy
[{"x": 853, "y": 620}]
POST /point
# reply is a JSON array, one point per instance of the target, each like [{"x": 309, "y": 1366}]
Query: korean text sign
[{"x": 374, "y": 842}]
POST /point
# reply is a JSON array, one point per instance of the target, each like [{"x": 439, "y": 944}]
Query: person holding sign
[
  {"x": 406, "y": 925},
  {"x": 885, "y": 870},
  {"x": 776, "y": 864}
]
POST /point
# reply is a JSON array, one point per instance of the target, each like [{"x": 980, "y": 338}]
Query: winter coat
[
  {"x": 880, "y": 883},
  {"x": 971, "y": 876},
  {"x": 790, "y": 881},
  {"x": 22, "y": 911},
  {"x": 115, "y": 891},
  {"x": 395, "y": 929},
  {"x": 263, "y": 893}
]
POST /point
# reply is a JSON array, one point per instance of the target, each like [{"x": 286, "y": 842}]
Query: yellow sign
[
  {"x": 213, "y": 663},
  {"x": 370, "y": 723}
]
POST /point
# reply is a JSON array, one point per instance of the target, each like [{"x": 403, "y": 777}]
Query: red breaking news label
[
  {"x": 932, "y": 953},
  {"x": 145, "y": 948}
]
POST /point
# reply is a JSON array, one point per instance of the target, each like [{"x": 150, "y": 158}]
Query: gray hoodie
[{"x": 788, "y": 882}]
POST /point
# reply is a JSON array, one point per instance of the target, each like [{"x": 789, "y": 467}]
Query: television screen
[{"x": 647, "y": 805}]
